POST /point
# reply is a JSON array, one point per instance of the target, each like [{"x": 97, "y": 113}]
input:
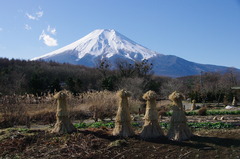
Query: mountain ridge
[
  {"x": 111, "y": 45},
  {"x": 103, "y": 42}
]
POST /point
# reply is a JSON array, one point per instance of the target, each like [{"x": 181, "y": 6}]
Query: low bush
[
  {"x": 202, "y": 111},
  {"x": 162, "y": 113},
  {"x": 44, "y": 116},
  {"x": 12, "y": 112},
  {"x": 100, "y": 105},
  {"x": 104, "y": 104},
  {"x": 78, "y": 114}
]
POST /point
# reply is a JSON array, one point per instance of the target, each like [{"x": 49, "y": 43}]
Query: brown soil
[{"x": 99, "y": 143}]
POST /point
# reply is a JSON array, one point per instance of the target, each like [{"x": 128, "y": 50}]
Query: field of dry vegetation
[
  {"x": 27, "y": 109},
  {"x": 26, "y": 122}
]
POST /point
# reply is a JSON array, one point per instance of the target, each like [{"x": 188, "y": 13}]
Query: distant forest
[{"x": 39, "y": 77}]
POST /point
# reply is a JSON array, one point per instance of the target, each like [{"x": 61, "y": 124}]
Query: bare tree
[
  {"x": 103, "y": 65},
  {"x": 134, "y": 85},
  {"x": 170, "y": 86},
  {"x": 125, "y": 68},
  {"x": 143, "y": 68}
]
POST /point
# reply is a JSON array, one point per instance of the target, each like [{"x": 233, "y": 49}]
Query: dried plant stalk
[
  {"x": 63, "y": 124},
  {"x": 179, "y": 129},
  {"x": 234, "y": 102},
  {"x": 151, "y": 127},
  {"x": 123, "y": 120},
  {"x": 193, "y": 107}
]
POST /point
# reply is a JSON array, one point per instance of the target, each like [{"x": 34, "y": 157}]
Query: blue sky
[{"x": 202, "y": 31}]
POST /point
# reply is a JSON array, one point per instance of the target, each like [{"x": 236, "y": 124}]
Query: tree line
[{"x": 39, "y": 77}]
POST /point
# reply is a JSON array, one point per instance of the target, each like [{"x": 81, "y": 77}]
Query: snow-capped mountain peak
[
  {"x": 101, "y": 43},
  {"x": 111, "y": 45}
]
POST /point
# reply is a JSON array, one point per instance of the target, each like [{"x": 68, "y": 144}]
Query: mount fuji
[{"x": 111, "y": 45}]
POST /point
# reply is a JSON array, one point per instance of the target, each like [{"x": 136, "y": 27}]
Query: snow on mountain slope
[
  {"x": 101, "y": 43},
  {"x": 111, "y": 45}
]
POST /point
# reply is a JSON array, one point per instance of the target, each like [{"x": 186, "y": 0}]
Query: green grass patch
[
  {"x": 210, "y": 112},
  {"x": 94, "y": 125},
  {"x": 204, "y": 125},
  {"x": 101, "y": 124},
  {"x": 209, "y": 125},
  {"x": 223, "y": 112}
]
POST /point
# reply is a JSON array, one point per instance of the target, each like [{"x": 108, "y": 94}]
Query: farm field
[
  {"x": 27, "y": 134},
  {"x": 99, "y": 143}
]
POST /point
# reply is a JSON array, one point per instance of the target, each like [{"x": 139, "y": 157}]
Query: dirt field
[{"x": 93, "y": 143}]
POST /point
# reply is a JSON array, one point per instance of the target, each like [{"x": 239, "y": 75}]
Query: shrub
[
  {"x": 12, "y": 112},
  {"x": 100, "y": 105},
  {"x": 133, "y": 85},
  {"x": 44, "y": 116},
  {"x": 103, "y": 104},
  {"x": 202, "y": 111},
  {"x": 22, "y": 109},
  {"x": 162, "y": 111},
  {"x": 78, "y": 114}
]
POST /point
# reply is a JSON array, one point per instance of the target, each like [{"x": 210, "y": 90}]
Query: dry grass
[
  {"x": 103, "y": 104},
  {"x": 12, "y": 111},
  {"x": 21, "y": 110},
  {"x": 164, "y": 103}
]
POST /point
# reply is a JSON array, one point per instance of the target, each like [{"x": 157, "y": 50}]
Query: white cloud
[
  {"x": 31, "y": 16},
  {"x": 39, "y": 14},
  {"x": 27, "y": 27},
  {"x": 1, "y": 29},
  {"x": 35, "y": 16},
  {"x": 51, "y": 30},
  {"x": 47, "y": 39}
]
